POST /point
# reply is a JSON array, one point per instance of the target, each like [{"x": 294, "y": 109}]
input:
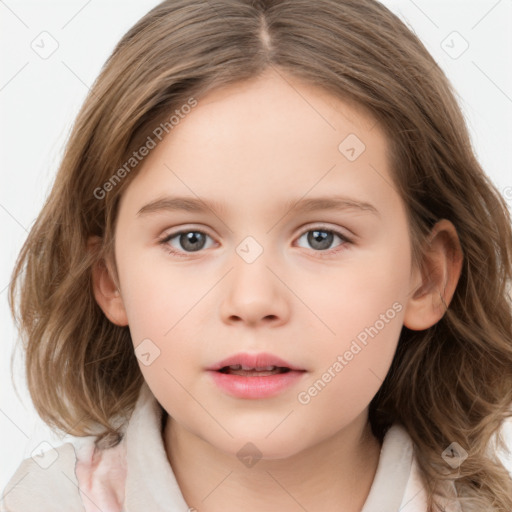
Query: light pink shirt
[{"x": 135, "y": 475}]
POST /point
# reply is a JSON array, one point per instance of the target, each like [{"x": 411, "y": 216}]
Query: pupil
[
  {"x": 324, "y": 238},
  {"x": 189, "y": 241}
]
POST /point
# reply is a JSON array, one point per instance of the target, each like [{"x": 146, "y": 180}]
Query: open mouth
[
  {"x": 255, "y": 376},
  {"x": 246, "y": 371}
]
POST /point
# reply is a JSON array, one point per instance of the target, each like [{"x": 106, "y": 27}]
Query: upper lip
[{"x": 260, "y": 360}]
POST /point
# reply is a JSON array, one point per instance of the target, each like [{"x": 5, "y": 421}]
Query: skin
[{"x": 252, "y": 147}]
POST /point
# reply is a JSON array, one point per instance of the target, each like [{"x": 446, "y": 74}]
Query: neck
[{"x": 335, "y": 474}]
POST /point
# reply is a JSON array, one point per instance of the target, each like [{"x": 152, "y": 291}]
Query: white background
[{"x": 39, "y": 99}]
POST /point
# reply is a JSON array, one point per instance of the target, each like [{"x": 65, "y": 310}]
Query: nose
[{"x": 254, "y": 293}]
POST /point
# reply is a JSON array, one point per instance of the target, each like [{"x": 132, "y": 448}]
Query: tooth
[
  {"x": 236, "y": 367},
  {"x": 259, "y": 368}
]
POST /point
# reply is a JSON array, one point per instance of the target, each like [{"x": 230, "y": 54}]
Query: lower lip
[{"x": 256, "y": 387}]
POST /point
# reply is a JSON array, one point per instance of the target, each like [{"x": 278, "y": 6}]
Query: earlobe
[
  {"x": 433, "y": 290},
  {"x": 106, "y": 292}
]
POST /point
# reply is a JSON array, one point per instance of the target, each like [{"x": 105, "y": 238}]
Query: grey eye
[{"x": 321, "y": 239}]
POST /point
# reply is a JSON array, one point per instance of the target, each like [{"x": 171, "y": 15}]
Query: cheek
[
  {"x": 154, "y": 297},
  {"x": 350, "y": 367},
  {"x": 161, "y": 309},
  {"x": 356, "y": 295}
]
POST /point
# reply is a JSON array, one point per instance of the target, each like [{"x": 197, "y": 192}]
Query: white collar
[{"x": 150, "y": 481}]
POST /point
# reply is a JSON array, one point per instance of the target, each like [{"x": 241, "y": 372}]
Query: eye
[
  {"x": 321, "y": 238},
  {"x": 190, "y": 241}
]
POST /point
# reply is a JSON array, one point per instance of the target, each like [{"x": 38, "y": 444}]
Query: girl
[{"x": 340, "y": 339}]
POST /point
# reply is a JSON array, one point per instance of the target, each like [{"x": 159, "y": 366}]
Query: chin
[{"x": 259, "y": 446}]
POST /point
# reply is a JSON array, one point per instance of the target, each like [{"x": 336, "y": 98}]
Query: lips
[
  {"x": 255, "y": 376},
  {"x": 244, "y": 363}
]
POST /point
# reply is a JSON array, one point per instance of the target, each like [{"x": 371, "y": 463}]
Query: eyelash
[{"x": 322, "y": 254}]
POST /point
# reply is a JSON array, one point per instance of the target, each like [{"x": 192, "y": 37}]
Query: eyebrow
[{"x": 191, "y": 204}]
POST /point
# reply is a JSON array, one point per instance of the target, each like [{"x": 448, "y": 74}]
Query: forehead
[
  {"x": 279, "y": 101},
  {"x": 271, "y": 137}
]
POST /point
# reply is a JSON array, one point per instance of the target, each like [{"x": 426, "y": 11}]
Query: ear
[
  {"x": 105, "y": 289},
  {"x": 433, "y": 288}
]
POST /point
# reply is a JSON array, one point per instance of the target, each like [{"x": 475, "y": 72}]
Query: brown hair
[{"x": 452, "y": 382}]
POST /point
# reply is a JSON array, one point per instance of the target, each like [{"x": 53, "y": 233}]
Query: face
[{"x": 266, "y": 267}]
